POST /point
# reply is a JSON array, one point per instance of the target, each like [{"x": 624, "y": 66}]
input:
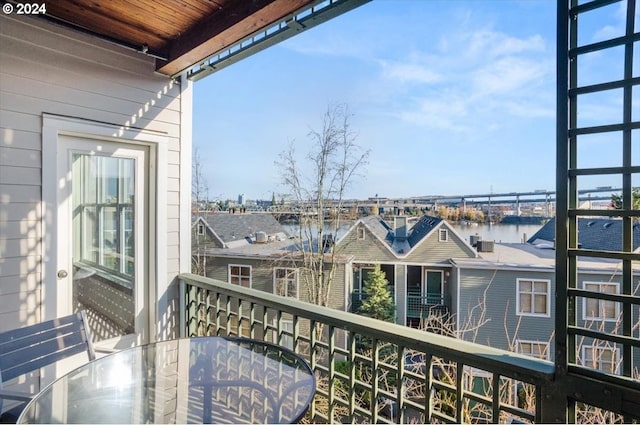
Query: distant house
[
  {"x": 509, "y": 291},
  {"x": 254, "y": 250},
  {"x": 593, "y": 233},
  {"x": 225, "y": 230},
  {"x": 415, "y": 258}
]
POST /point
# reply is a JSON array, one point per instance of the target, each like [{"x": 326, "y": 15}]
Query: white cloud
[
  {"x": 507, "y": 76},
  {"x": 467, "y": 75},
  {"x": 488, "y": 44},
  {"x": 410, "y": 72},
  {"x": 443, "y": 113}
]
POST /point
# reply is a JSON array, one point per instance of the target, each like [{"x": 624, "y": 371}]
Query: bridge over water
[
  {"x": 547, "y": 197},
  {"x": 517, "y": 199}
]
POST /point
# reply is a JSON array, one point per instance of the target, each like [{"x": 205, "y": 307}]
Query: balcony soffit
[{"x": 178, "y": 33}]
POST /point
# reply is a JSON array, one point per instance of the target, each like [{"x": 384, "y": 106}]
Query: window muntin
[
  {"x": 605, "y": 359},
  {"x": 535, "y": 349},
  {"x": 443, "y": 235},
  {"x": 594, "y": 309},
  {"x": 533, "y": 298},
  {"x": 240, "y": 275},
  {"x": 285, "y": 282}
]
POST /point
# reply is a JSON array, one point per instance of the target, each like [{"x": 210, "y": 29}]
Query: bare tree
[
  {"x": 318, "y": 185},
  {"x": 199, "y": 186},
  {"x": 199, "y": 194}
]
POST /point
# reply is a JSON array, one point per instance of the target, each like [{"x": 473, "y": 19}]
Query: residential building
[
  {"x": 415, "y": 257},
  {"x": 496, "y": 294},
  {"x": 254, "y": 250}
]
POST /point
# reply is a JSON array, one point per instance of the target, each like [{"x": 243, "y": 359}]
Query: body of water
[{"x": 506, "y": 233}]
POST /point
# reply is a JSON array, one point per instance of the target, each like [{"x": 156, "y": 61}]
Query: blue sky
[{"x": 450, "y": 97}]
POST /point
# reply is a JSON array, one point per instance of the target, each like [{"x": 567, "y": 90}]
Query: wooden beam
[{"x": 223, "y": 29}]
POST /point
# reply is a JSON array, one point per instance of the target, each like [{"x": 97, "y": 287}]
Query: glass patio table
[{"x": 189, "y": 380}]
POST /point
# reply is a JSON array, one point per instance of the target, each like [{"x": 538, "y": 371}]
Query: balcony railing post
[{"x": 551, "y": 403}]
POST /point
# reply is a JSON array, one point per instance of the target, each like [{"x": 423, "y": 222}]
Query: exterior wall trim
[{"x": 186, "y": 141}]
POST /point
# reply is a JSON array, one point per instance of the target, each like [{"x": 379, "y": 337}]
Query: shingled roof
[
  {"x": 232, "y": 227},
  {"x": 425, "y": 225},
  {"x": 603, "y": 234},
  {"x": 422, "y": 228}
]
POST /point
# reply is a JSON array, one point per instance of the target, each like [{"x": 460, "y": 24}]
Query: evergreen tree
[{"x": 378, "y": 301}]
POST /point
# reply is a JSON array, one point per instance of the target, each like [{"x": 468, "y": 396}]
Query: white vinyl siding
[
  {"x": 533, "y": 297},
  {"x": 47, "y": 69}
]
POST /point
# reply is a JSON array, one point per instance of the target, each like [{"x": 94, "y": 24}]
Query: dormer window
[{"x": 443, "y": 235}]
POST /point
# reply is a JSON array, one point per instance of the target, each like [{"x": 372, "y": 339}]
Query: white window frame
[
  {"x": 598, "y": 317},
  {"x": 361, "y": 233},
  {"x": 229, "y": 275},
  {"x": 598, "y": 348},
  {"x": 547, "y": 350},
  {"x": 533, "y": 293},
  {"x": 286, "y": 279},
  {"x": 200, "y": 230},
  {"x": 443, "y": 235}
]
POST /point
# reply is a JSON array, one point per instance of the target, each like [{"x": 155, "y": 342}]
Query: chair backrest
[{"x": 29, "y": 348}]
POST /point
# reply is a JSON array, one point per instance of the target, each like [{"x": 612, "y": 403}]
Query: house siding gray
[
  {"x": 262, "y": 276},
  {"x": 494, "y": 290},
  {"x": 52, "y": 70},
  {"x": 370, "y": 249},
  {"x": 431, "y": 250}
]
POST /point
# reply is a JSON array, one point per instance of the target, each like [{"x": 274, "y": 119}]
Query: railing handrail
[{"x": 503, "y": 362}]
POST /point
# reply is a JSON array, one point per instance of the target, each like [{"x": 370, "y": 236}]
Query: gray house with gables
[
  {"x": 416, "y": 258},
  {"x": 255, "y": 250}
]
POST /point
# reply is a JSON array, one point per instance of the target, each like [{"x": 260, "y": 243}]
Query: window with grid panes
[
  {"x": 240, "y": 275},
  {"x": 286, "y": 282},
  {"x": 604, "y": 359},
  {"x": 594, "y": 309},
  {"x": 533, "y": 297}
]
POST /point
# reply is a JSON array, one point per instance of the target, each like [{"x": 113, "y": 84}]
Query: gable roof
[
  {"x": 603, "y": 234},
  {"x": 232, "y": 227},
  {"x": 422, "y": 228},
  {"x": 401, "y": 247}
]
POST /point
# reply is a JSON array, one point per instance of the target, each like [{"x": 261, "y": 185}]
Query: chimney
[{"x": 400, "y": 227}]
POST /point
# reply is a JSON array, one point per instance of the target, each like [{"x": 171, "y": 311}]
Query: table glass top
[{"x": 196, "y": 380}]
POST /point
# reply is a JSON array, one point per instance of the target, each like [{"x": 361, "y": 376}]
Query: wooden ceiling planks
[
  {"x": 183, "y": 31},
  {"x": 220, "y": 31}
]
